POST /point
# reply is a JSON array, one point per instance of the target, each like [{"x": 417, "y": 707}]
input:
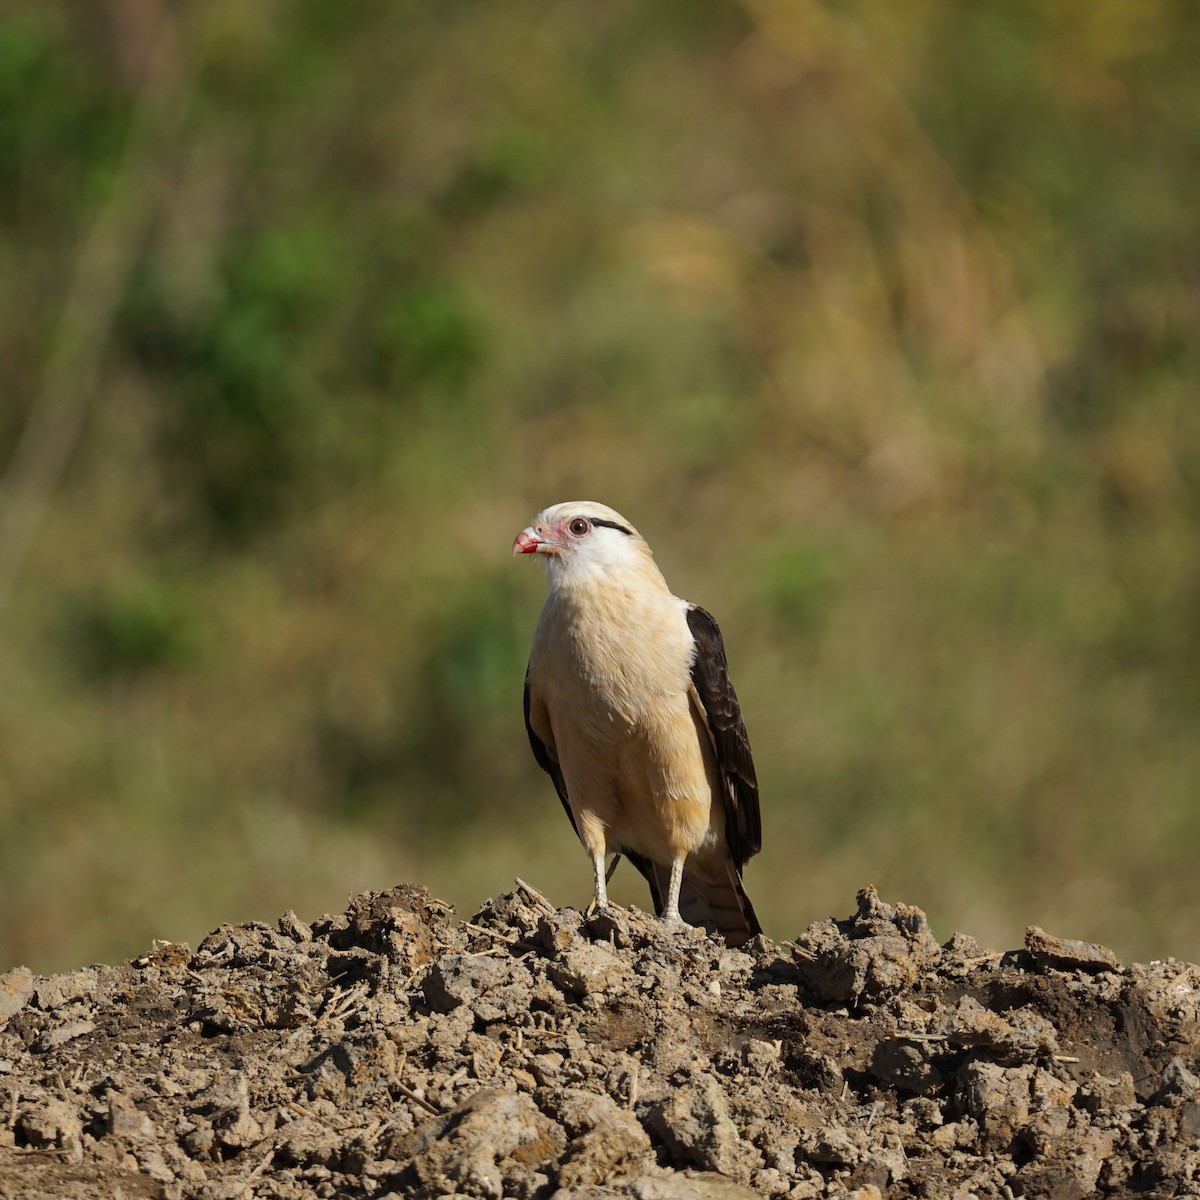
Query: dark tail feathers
[{"x": 719, "y": 903}]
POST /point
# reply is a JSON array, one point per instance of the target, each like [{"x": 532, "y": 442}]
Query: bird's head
[{"x": 579, "y": 537}]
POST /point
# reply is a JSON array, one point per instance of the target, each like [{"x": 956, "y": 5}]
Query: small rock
[
  {"x": 760, "y": 1057},
  {"x": 875, "y": 954},
  {"x": 1177, "y": 1080},
  {"x": 50, "y": 1123},
  {"x": 961, "y": 945},
  {"x": 1020, "y": 1035},
  {"x": 997, "y": 1098},
  {"x": 58, "y": 989},
  {"x": 887, "y": 1162},
  {"x": 1100, "y": 1092},
  {"x": 842, "y": 1147},
  {"x": 198, "y": 1138},
  {"x": 587, "y": 969},
  {"x": 291, "y": 926},
  {"x": 611, "y": 925},
  {"x": 694, "y": 1122},
  {"x": 906, "y": 1066},
  {"x": 153, "y": 1163},
  {"x": 458, "y": 978},
  {"x": 1064, "y": 952},
  {"x": 363, "y": 1057},
  {"x": 238, "y": 1131},
  {"x": 61, "y": 1034},
  {"x": 474, "y": 1148},
  {"x": 126, "y": 1120},
  {"x": 559, "y": 931},
  {"x": 1051, "y": 1100},
  {"x": 955, "y": 1135},
  {"x": 686, "y": 1185},
  {"x": 607, "y": 1141},
  {"x": 924, "y": 1113},
  {"x": 16, "y": 987},
  {"x": 395, "y": 924},
  {"x": 1189, "y": 1121}
]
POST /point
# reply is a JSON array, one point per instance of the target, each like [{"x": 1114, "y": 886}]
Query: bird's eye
[{"x": 579, "y": 527}]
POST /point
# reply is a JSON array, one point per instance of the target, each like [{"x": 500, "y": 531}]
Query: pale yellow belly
[{"x": 646, "y": 787}]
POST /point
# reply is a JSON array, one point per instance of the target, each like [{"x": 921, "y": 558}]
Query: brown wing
[
  {"x": 547, "y": 761},
  {"x": 710, "y": 677}
]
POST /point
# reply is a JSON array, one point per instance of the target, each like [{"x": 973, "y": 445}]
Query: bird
[{"x": 630, "y": 711}]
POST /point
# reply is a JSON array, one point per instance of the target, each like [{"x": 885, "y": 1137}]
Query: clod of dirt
[
  {"x": 531, "y": 1052},
  {"x": 16, "y": 987},
  {"x": 1064, "y": 952},
  {"x": 878, "y": 952}
]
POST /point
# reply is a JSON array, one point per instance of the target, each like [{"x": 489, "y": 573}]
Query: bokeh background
[{"x": 879, "y": 320}]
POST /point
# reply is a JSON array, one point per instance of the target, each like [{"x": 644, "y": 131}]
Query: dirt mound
[{"x": 531, "y": 1052}]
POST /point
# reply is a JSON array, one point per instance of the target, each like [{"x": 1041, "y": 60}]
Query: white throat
[{"x": 607, "y": 555}]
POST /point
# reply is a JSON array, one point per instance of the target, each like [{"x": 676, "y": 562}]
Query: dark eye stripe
[{"x": 611, "y": 525}]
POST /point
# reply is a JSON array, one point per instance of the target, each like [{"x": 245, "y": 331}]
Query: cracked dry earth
[{"x": 531, "y": 1052}]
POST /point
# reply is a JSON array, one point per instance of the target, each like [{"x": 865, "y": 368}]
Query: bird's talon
[{"x": 676, "y": 924}]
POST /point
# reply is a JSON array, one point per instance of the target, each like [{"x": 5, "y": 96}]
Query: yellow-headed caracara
[{"x": 631, "y": 712}]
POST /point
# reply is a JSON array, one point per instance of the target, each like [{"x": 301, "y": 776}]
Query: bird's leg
[
  {"x": 600, "y": 896},
  {"x": 670, "y": 913}
]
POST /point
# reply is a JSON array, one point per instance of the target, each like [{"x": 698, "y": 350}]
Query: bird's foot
[
  {"x": 596, "y": 906},
  {"x": 675, "y": 923}
]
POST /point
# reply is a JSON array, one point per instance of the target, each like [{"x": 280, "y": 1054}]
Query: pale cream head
[{"x": 578, "y": 538}]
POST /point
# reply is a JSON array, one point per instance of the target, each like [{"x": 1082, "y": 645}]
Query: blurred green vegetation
[{"x": 881, "y": 322}]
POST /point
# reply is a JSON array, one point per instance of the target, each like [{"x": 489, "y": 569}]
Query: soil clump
[{"x": 534, "y": 1052}]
